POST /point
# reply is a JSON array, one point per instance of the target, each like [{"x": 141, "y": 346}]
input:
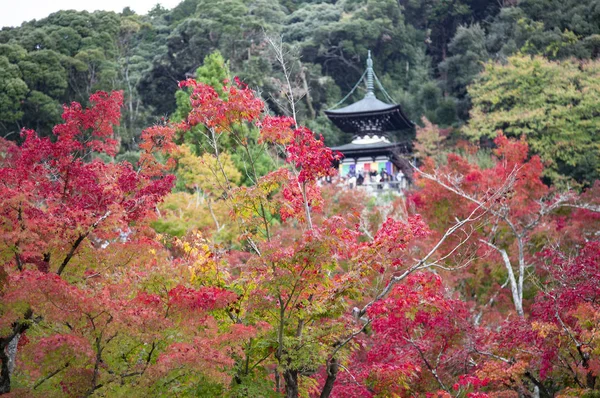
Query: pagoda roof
[
  {"x": 365, "y": 105},
  {"x": 369, "y": 115},
  {"x": 369, "y": 112}
]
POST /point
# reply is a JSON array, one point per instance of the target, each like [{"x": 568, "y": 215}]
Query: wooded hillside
[
  {"x": 172, "y": 224},
  {"x": 426, "y": 54}
]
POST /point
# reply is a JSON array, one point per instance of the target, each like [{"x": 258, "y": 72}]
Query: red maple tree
[{"x": 319, "y": 295}]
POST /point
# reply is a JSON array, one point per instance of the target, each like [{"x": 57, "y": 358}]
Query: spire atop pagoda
[{"x": 370, "y": 83}]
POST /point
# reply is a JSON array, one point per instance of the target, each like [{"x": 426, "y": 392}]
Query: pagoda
[{"x": 369, "y": 120}]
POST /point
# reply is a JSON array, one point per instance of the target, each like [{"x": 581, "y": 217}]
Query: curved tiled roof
[{"x": 365, "y": 105}]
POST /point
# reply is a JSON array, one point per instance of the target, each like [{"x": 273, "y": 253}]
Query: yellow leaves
[
  {"x": 411, "y": 314},
  {"x": 182, "y": 212},
  {"x": 202, "y": 261},
  {"x": 208, "y": 173},
  {"x": 428, "y": 140},
  {"x": 544, "y": 328},
  {"x": 254, "y": 206},
  {"x": 498, "y": 371},
  {"x": 309, "y": 386}
]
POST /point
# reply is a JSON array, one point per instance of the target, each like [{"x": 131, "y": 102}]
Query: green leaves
[
  {"x": 552, "y": 104},
  {"x": 63, "y": 58},
  {"x": 12, "y": 91}
]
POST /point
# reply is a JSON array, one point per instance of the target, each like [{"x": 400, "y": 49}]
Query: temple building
[{"x": 370, "y": 121}]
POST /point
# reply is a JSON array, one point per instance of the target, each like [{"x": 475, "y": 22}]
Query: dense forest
[
  {"x": 426, "y": 54},
  {"x": 167, "y": 229}
]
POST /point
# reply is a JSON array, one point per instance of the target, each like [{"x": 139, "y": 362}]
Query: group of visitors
[{"x": 382, "y": 179}]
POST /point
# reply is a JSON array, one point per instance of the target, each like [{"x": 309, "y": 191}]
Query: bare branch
[
  {"x": 78, "y": 241},
  {"x": 51, "y": 375},
  {"x": 514, "y": 287}
]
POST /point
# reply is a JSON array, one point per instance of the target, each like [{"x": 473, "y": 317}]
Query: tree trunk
[
  {"x": 311, "y": 109},
  {"x": 590, "y": 380},
  {"x": 291, "y": 383},
  {"x": 11, "y": 351},
  {"x": 539, "y": 390},
  {"x": 332, "y": 372},
  {"x": 8, "y": 356},
  {"x": 5, "y": 370},
  {"x": 8, "y": 351}
]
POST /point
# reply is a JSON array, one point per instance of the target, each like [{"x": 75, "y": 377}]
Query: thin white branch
[{"x": 514, "y": 287}]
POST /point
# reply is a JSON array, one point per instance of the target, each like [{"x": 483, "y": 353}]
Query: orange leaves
[
  {"x": 510, "y": 194},
  {"x": 210, "y": 110},
  {"x": 276, "y": 130},
  {"x": 478, "y": 182},
  {"x": 529, "y": 188},
  {"x": 156, "y": 140},
  {"x": 501, "y": 373}
]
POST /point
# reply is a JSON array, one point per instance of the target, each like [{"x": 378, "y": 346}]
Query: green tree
[
  {"x": 214, "y": 72},
  {"x": 555, "y": 29},
  {"x": 134, "y": 58},
  {"x": 62, "y": 58},
  {"x": 13, "y": 89},
  {"x": 441, "y": 19},
  {"x": 185, "y": 48},
  {"x": 467, "y": 53},
  {"x": 31, "y": 84},
  {"x": 43, "y": 71},
  {"x": 554, "y": 105}
]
